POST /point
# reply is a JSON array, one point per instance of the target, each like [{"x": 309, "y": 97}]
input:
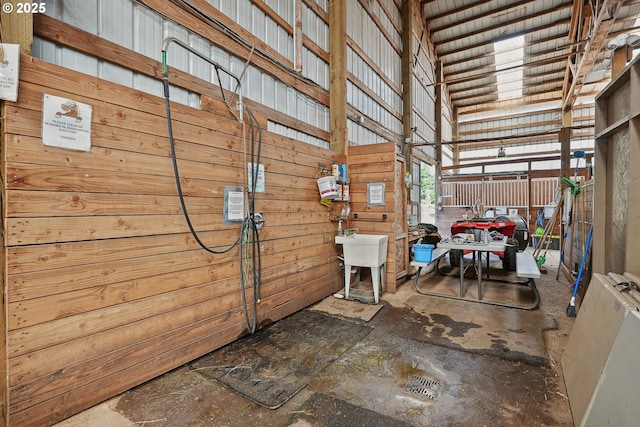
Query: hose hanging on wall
[
  {"x": 248, "y": 239},
  {"x": 250, "y": 261}
]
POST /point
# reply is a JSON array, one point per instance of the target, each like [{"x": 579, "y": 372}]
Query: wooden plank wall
[
  {"x": 105, "y": 286},
  {"x": 369, "y": 164}
]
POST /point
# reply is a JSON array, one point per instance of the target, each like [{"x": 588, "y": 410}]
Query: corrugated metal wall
[
  {"x": 141, "y": 29},
  {"x": 376, "y": 93},
  {"x": 424, "y": 96}
]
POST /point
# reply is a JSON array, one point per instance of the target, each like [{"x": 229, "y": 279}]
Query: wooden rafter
[{"x": 597, "y": 36}]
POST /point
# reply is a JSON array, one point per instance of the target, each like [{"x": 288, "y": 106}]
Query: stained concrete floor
[{"x": 366, "y": 386}]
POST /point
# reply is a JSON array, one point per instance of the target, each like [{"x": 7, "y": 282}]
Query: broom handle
[
  {"x": 549, "y": 227},
  {"x": 584, "y": 259},
  {"x": 584, "y": 220}
]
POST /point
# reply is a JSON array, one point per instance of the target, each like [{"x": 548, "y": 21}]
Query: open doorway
[{"x": 427, "y": 193}]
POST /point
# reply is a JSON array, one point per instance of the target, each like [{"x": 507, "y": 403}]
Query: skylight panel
[{"x": 509, "y": 56}]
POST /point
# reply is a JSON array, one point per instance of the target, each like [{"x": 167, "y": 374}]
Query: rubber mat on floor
[
  {"x": 347, "y": 308},
  {"x": 272, "y": 365}
]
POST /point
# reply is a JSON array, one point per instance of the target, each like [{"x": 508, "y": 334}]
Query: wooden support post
[
  {"x": 564, "y": 137},
  {"x": 408, "y": 24},
  {"x": 338, "y": 75},
  {"x": 456, "y": 147},
  {"x": 438, "y": 147},
  {"x": 297, "y": 36},
  {"x": 16, "y": 27},
  {"x": 621, "y": 56}
]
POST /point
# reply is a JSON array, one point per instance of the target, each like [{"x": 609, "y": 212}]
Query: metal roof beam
[
  {"x": 457, "y": 95},
  {"x": 442, "y": 52},
  {"x": 451, "y": 81},
  {"x": 548, "y": 96},
  {"x": 544, "y": 91},
  {"x": 454, "y": 11},
  {"x": 482, "y": 84},
  {"x": 462, "y": 21},
  {"x": 529, "y": 46},
  {"x": 503, "y": 26}
]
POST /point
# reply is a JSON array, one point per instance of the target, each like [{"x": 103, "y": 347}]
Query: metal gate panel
[
  {"x": 514, "y": 193},
  {"x": 543, "y": 190}
]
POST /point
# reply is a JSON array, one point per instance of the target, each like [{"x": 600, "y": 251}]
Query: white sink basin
[{"x": 364, "y": 250}]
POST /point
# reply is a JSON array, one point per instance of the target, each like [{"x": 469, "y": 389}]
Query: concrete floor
[{"x": 366, "y": 385}]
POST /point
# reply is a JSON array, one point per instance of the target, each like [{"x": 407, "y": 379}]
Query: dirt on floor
[{"x": 383, "y": 380}]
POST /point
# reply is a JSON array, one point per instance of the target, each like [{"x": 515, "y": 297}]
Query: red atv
[{"x": 514, "y": 228}]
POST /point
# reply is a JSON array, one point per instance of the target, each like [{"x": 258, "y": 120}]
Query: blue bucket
[{"x": 422, "y": 253}]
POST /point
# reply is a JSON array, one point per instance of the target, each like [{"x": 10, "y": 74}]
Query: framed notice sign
[
  {"x": 66, "y": 123},
  {"x": 9, "y": 71},
  {"x": 375, "y": 194}
]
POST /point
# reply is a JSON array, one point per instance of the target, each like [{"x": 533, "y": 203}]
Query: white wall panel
[
  {"x": 229, "y": 8},
  {"x": 268, "y": 91},
  {"x": 280, "y": 96},
  {"x": 115, "y": 74},
  {"x": 309, "y": 23},
  {"x": 45, "y": 50},
  {"x": 81, "y": 14},
  {"x": 148, "y": 31},
  {"x": 116, "y": 22},
  {"x": 258, "y": 26},
  {"x": 252, "y": 84},
  {"x": 215, "y": 3},
  {"x": 78, "y": 61},
  {"x": 244, "y": 14},
  {"x": 197, "y": 66}
]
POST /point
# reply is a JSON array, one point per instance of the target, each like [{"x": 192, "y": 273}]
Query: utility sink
[{"x": 364, "y": 250}]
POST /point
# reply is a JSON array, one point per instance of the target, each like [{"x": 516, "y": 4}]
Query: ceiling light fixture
[{"x": 501, "y": 152}]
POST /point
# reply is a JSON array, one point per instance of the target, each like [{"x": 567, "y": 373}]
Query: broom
[{"x": 571, "y": 308}]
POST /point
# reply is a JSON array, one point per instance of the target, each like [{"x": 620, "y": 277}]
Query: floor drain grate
[{"x": 424, "y": 387}]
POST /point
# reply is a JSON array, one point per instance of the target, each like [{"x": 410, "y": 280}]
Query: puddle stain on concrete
[{"x": 456, "y": 329}]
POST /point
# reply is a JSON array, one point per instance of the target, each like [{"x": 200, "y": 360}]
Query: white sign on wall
[
  {"x": 66, "y": 123},
  {"x": 9, "y": 71},
  {"x": 259, "y": 180}
]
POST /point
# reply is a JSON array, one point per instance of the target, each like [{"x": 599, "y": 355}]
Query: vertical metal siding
[
  {"x": 365, "y": 33},
  {"x": 136, "y": 27}
]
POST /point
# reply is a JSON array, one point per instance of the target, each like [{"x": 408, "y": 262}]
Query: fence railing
[{"x": 510, "y": 192}]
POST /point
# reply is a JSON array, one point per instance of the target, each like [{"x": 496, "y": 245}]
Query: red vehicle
[{"x": 514, "y": 228}]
